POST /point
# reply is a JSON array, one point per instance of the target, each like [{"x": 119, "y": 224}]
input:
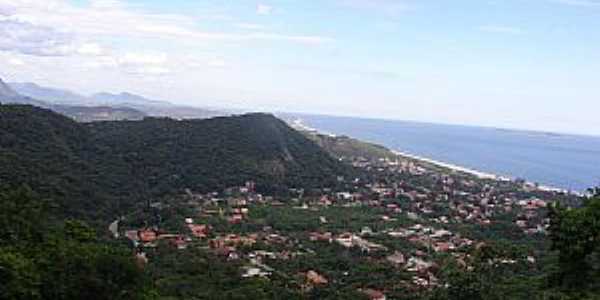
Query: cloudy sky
[{"x": 532, "y": 64}]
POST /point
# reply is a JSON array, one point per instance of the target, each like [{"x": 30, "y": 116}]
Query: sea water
[{"x": 570, "y": 162}]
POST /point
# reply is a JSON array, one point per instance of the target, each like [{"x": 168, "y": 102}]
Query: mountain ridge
[
  {"x": 124, "y": 98},
  {"x": 99, "y": 169},
  {"x": 150, "y": 107},
  {"x": 61, "y": 101}
]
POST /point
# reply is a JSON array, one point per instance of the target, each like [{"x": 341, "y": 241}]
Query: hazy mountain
[
  {"x": 156, "y": 108},
  {"x": 64, "y": 102},
  {"x": 9, "y": 95},
  {"x": 127, "y": 99},
  {"x": 50, "y": 95},
  {"x": 122, "y": 103},
  {"x": 6, "y": 92},
  {"x": 98, "y": 113}
]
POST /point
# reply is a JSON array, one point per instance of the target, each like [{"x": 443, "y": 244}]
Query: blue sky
[{"x": 530, "y": 64}]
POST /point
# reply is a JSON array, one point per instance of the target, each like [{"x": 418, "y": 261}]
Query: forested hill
[{"x": 101, "y": 169}]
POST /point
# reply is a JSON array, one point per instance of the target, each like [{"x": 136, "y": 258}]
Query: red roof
[{"x": 147, "y": 236}]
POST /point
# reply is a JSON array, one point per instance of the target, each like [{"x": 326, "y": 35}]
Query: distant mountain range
[
  {"x": 98, "y": 107},
  {"x": 127, "y": 99},
  {"x": 6, "y": 92},
  {"x": 65, "y": 103},
  {"x": 50, "y": 95},
  {"x": 8, "y": 95}
]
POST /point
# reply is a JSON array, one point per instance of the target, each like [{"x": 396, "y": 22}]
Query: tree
[
  {"x": 575, "y": 234},
  {"x": 19, "y": 278},
  {"x": 44, "y": 259}
]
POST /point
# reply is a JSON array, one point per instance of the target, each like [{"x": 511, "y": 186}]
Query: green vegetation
[
  {"x": 101, "y": 169},
  {"x": 98, "y": 113},
  {"x": 575, "y": 234},
  {"x": 41, "y": 258},
  {"x": 346, "y": 147}
]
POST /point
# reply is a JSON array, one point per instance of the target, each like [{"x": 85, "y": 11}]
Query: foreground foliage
[{"x": 44, "y": 259}]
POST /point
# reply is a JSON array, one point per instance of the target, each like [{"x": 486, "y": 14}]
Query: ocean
[{"x": 570, "y": 162}]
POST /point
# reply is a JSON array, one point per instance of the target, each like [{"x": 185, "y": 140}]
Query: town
[{"x": 402, "y": 216}]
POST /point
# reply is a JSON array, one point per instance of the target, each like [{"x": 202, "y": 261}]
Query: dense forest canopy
[{"x": 102, "y": 168}]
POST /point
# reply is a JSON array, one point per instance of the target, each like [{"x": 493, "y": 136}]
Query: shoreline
[
  {"x": 479, "y": 174},
  {"x": 299, "y": 124}
]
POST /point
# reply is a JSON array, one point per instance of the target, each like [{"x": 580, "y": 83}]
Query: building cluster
[{"x": 417, "y": 203}]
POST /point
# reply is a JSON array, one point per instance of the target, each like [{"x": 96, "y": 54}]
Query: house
[
  {"x": 237, "y": 202},
  {"x": 345, "y": 239},
  {"x": 412, "y": 216},
  {"x": 275, "y": 239},
  {"x": 254, "y": 272},
  {"x": 132, "y": 235},
  {"x": 441, "y": 233},
  {"x": 236, "y": 219},
  {"x": 397, "y": 258},
  {"x": 418, "y": 265},
  {"x": 147, "y": 236},
  {"x": 315, "y": 278},
  {"x": 344, "y": 196},
  {"x": 324, "y": 201},
  {"x": 443, "y": 247},
  {"x": 366, "y": 231},
  {"x": 521, "y": 223},
  {"x": 321, "y": 237},
  {"x": 199, "y": 231}
]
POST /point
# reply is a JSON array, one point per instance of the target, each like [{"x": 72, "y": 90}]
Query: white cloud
[
  {"x": 102, "y": 62},
  {"x": 55, "y": 27},
  {"x": 136, "y": 63},
  {"x": 150, "y": 71},
  {"x": 32, "y": 39},
  {"x": 15, "y": 61},
  {"x": 263, "y": 9},
  {"x": 133, "y": 58},
  {"x": 501, "y": 29},
  {"x": 91, "y": 49},
  {"x": 217, "y": 63}
]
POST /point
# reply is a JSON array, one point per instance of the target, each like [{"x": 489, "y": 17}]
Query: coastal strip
[
  {"x": 299, "y": 124},
  {"x": 480, "y": 174}
]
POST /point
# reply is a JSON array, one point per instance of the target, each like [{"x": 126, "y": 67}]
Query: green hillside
[
  {"x": 347, "y": 147},
  {"x": 102, "y": 168}
]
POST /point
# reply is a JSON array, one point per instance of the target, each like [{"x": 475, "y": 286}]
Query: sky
[{"x": 526, "y": 64}]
